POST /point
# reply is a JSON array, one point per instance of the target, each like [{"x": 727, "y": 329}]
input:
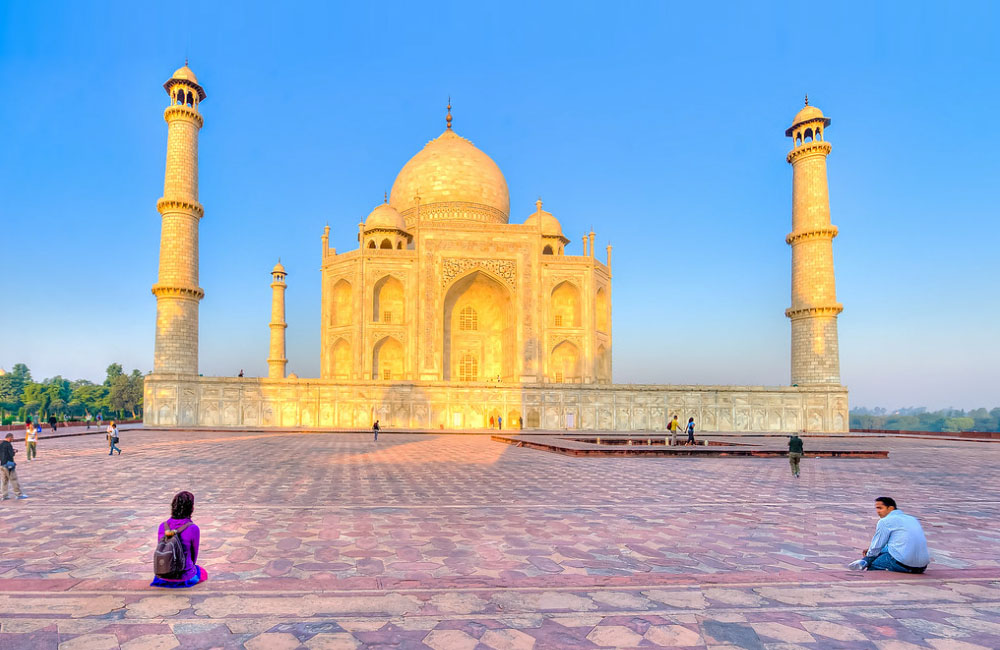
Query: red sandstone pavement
[{"x": 319, "y": 540}]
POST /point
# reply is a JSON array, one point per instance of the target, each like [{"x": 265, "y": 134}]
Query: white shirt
[{"x": 901, "y": 535}]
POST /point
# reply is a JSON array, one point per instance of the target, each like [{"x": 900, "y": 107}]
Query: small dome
[
  {"x": 451, "y": 169},
  {"x": 549, "y": 224},
  {"x": 385, "y": 217},
  {"x": 806, "y": 114},
  {"x": 292, "y": 375},
  {"x": 278, "y": 268},
  {"x": 185, "y": 73}
]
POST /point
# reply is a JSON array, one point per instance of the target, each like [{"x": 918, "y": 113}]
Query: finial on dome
[
  {"x": 448, "y": 118},
  {"x": 385, "y": 197},
  {"x": 807, "y": 99},
  {"x": 538, "y": 204}
]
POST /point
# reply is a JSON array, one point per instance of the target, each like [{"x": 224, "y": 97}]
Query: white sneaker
[{"x": 858, "y": 565}]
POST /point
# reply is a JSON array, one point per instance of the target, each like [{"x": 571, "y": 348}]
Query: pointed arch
[
  {"x": 371, "y": 244},
  {"x": 340, "y": 359},
  {"x": 565, "y": 305},
  {"x": 388, "y": 301},
  {"x": 492, "y": 342},
  {"x": 386, "y": 243},
  {"x": 564, "y": 363},
  {"x": 387, "y": 359},
  {"x": 341, "y": 304},
  {"x": 547, "y": 250},
  {"x": 603, "y": 310},
  {"x": 603, "y": 365}
]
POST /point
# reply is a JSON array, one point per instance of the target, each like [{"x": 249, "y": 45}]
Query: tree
[
  {"x": 114, "y": 371},
  {"x": 87, "y": 397},
  {"x": 20, "y": 370},
  {"x": 126, "y": 393}
]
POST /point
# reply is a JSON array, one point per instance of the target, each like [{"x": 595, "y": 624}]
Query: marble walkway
[{"x": 454, "y": 541}]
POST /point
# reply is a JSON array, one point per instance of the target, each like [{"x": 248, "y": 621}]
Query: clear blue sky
[{"x": 661, "y": 125}]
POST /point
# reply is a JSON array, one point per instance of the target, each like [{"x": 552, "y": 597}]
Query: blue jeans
[{"x": 885, "y": 562}]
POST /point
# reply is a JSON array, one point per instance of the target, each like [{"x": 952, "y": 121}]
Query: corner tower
[
  {"x": 276, "y": 360},
  {"x": 176, "y": 289},
  {"x": 815, "y": 351}
]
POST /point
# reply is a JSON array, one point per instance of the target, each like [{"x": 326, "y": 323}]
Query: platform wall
[{"x": 224, "y": 402}]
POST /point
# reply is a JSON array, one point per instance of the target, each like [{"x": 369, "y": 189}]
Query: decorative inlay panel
[{"x": 452, "y": 267}]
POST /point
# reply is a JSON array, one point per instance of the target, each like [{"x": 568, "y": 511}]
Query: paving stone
[{"x": 615, "y": 636}]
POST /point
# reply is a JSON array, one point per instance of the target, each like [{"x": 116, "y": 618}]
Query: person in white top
[
  {"x": 899, "y": 543},
  {"x": 31, "y": 441},
  {"x": 113, "y": 438}
]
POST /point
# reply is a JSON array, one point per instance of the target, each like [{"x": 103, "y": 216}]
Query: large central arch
[{"x": 479, "y": 325}]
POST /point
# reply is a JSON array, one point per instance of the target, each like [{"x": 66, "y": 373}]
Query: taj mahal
[{"x": 451, "y": 312}]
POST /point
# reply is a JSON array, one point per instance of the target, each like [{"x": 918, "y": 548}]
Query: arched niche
[
  {"x": 603, "y": 311},
  {"x": 565, "y": 305},
  {"x": 386, "y": 243},
  {"x": 603, "y": 365},
  {"x": 491, "y": 342},
  {"x": 388, "y": 301},
  {"x": 341, "y": 304},
  {"x": 387, "y": 359},
  {"x": 564, "y": 363},
  {"x": 340, "y": 359}
]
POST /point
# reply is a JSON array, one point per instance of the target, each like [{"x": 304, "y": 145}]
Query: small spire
[
  {"x": 385, "y": 197},
  {"x": 538, "y": 204},
  {"x": 807, "y": 99},
  {"x": 185, "y": 60},
  {"x": 448, "y": 118}
]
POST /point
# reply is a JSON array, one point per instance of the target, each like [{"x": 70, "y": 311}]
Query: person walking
[
  {"x": 8, "y": 475},
  {"x": 492, "y": 421},
  {"x": 375, "y": 429},
  {"x": 113, "y": 439},
  {"x": 87, "y": 418},
  {"x": 181, "y": 526},
  {"x": 795, "y": 453},
  {"x": 690, "y": 431},
  {"x": 30, "y": 442},
  {"x": 52, "y": 422},
  {"x": 674, "y": 426},
  {"x": 898, "y": 545}
]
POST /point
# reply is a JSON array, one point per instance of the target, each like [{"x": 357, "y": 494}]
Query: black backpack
[{"x": 169, "y": 559}]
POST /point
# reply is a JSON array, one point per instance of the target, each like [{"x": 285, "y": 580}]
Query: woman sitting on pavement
[{"x": 180, "y": 524}]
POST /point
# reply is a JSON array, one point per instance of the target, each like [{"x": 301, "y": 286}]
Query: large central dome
[{"x": 454, "y": 181}]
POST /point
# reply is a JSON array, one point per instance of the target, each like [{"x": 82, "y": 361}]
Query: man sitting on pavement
[{"x": 898, "y": 545}]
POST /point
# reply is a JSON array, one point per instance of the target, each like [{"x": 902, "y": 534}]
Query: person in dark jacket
[
  {"x": 8, "y": 475},
  {"x": 795, "y": 453}
]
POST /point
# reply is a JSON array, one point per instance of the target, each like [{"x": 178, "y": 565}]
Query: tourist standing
[
  {"x": 87, "y": 418},
  {"x": 898, "y": 545},
  {"x": 189, "y": 535},
  {"x": 690, "y": 431},
  {"x": 7, "y": 473},
  {"x": 492, "y": 421},
  {"x": 30, "y": 442},
  {"x": 795, "y": 453},
  {"x": 52, "y": 422},
  {"x": 673, "y": 426},
  {"x": 113, "y": 438},
  {"x": 375, "y": 429},
  {"x": 499, "y": 423}
]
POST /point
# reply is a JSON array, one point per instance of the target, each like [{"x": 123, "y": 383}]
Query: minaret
[
  {"x": 276, "y": 361},
  {"x": 176, "y": 289},
  {"x": 815, "y": 352}
]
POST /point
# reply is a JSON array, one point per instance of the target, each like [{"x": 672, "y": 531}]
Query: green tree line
[
  {"x": 920, "y": 419},
  {"x": 22, "y": 397}
]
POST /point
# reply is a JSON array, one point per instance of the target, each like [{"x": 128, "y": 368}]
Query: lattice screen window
[
  {"x": 468, "y": 368},
  {"x": 558, "y": 320},
  {"x": 387, "y": 317},
  {"x": 387, "y": 375},
  {"x": 559, "y": 377},
  {"x": 468, "y": 320}
]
